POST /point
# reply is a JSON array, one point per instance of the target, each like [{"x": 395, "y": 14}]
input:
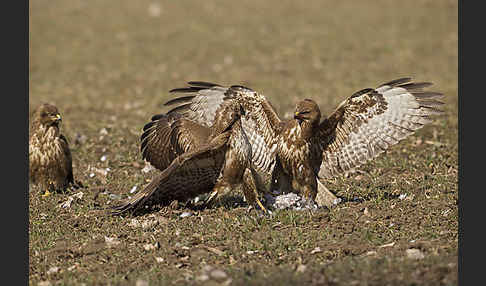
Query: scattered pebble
[
  {"x": 316, "y": 250},
  {"x": 70, "y": 200},
  {"x": 132, "y": 190},
  {"x": 78, "y": 195},
  {"x": 103, "y": 158},
  {"x": 301, "y": 268},
  {"x": 159, "y": 259},
  {"x": 228, "y": 60},
  {"x": 111, "y": 241},
  {"x": 150, "y": 246},
  {"x": 218, "y": 275},
  {"x": 102, "y": 172},
  {"x": 114, "y": 196},
  {"x": 148, "y": 167},
  {"x": 414, "y": 253},
  {"x": 186, "y": 214},
  {"x": 366, "y": 212},
  {"x": 202, "y": 278},
  {"x": 207, "y": 268},
  {"x": 215, "y": 250},
  {"x": 53, "y": 270},
  {"x": 196, "y": 200},
  {"x": 80, "y": 139},
  {"x": 387, "y": 245},
  {"x": 250, "y": 252},
  {"x": 103, "y": 131},
  {"x": 71, "y": 268},
  {"x": 141, "y": 282},
  {"x": 91, "y": 175},
  {"x": 402, "y": 196},
  {"x": 154, "y": 10},
  {"x": 67, "y": 203}
]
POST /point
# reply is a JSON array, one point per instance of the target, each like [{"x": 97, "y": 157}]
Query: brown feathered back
[
  {"x": 170, "y": 135},
  {"x": 202, "y": 103}
]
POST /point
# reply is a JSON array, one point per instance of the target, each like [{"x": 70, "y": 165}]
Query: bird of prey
[
  {"x": 50, "y": 162},
  {"x": 194, "y": 158},
  {"x": 301, "y": 153}
]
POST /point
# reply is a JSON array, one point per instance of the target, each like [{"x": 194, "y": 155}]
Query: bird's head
[
  {"x": 307, "y": 111},
  {"x": 48, "y": 115}
]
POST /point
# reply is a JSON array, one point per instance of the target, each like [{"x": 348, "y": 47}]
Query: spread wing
[
  {"x": 372, "y": 120},
  {"x": 188, "y": 175},
  {"x": 203, "y": 103},
  {"x": 168, "y": 136}
]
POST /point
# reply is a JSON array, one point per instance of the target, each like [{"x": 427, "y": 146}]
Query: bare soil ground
[{"x": 108, "y": 65}]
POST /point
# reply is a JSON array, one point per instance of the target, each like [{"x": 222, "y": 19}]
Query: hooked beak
[
  {"x": 57, "y": 118},
  {"x": 297, "y": 115}
]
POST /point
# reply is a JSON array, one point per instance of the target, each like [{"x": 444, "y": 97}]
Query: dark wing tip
[
  {"x": 415, "y": 85},
  {"x": 361, "y": 92},
  {"x": 148, "y": 125},
  {"x": 186, "y": 89},
  {"x": 204, "y": 84},
  {"x": 157, "y": 117},
  {"x": 182, "y": 99},
  {"x": 396, "y": 82}
]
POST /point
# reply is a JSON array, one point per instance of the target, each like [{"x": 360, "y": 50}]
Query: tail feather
[{"x": 138, "y": 200}]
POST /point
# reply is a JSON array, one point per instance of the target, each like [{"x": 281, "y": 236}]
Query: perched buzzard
[
  {"x": 50, "y": 163},
  {"x": 301, "y": 153},
  {"x": 194, "y": 158}
]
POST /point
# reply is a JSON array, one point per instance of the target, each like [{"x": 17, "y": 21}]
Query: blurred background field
[{"x": 108, "y": 66}]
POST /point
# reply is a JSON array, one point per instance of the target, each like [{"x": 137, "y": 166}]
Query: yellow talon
[
  {"x": 261, "y": 206},
  {"x": 46, "y": 194}
]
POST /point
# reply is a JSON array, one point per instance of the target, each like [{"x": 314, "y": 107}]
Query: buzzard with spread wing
[
  {"x": 301, "y": 153},
  {"x": 195, "y": 158},
  {"x": 50, "y": 162}
]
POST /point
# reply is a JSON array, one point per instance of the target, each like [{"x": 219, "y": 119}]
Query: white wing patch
[{"x": 406, "y": 111}]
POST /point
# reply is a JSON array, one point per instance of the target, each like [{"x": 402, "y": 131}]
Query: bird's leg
[
  {"x": 309, "y": 193},
  {"x": 49, "y": 186},
  {"x": 210, "y": 198},
  {"x": 218, "y": 188},
  {"x": 250, "y": 190},
  {"x": 261, "y": 206}
]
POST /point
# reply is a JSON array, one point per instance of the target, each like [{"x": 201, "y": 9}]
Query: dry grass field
[{"x": 108, "y": 66}]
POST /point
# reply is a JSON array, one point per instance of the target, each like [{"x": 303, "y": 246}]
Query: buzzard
[
  {"x": 301, "y": 153},
  {"x": 195, "y": 158},
  {"x": 50, "y": 163}
]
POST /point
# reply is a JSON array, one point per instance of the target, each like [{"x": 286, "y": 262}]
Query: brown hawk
[
  {"x": 50, "y": 163},
  {"x": 301, "y": 153},
  {"x": 194, "y": 157}
]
